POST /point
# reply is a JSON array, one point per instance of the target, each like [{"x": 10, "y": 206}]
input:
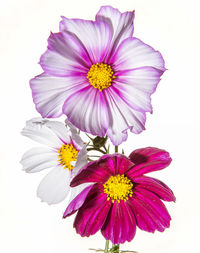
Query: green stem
[
  {"x": 106, "y": 247},
  {"x": 100, "y": 150},
  {"x": 115, "y": 248},
  {"x": 116, "y": 149}
]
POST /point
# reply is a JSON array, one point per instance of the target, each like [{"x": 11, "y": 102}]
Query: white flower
[{"x": 64, "y": 152}]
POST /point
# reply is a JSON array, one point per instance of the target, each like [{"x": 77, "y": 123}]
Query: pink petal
[
  {"x": 87, "y": 110},
  {"x": 65, "y": 56},
  {"x": 155, "y": 186},
  {"x": 95, "y": 36},
  {"x": 77, "y": 202},
  {"x": 120, "y": 225},
  {"x": 91, "y": 216},
  {"x": 122, "y": 117},
  {"x": 50, "y": 92},
  {"x": 133, "y": 53},
  {"x": 121, "y": 24},
  {"x": 100, "y": 170},
  {"x": 136, "y": 86},
  {"x": 147, "y": 160},
  {"x": 153, "y": 207}
]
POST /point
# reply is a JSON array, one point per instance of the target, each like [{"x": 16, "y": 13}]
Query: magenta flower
[
  {"x": 121, "y": 197},
  {"x": 98, "y": 75}
]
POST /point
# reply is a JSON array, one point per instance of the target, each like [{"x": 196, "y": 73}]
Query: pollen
[
  {"x": 118, "y": 188},
  {"x": 100, "y": 76},
  {"x": 67, "y": 155}
]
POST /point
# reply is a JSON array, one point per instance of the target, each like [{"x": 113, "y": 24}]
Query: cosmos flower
[
  {"x": 98, "y": 75},
  {"x": 121, "y": 196},
  {"x": 64, "y": 152}
]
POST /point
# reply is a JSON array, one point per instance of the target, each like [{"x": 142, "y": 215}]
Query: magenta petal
[
  {"x": 154, "y": 207},
  {"x": 99, "y": 171},
  {"x": 123, "y": 164},
  {"x": 147, "y": 160},
  {"x": 91, "y": 216},
  {"x": 77, "y": 202},
  {"x": 120, "y": 225},
  {"x": 155, "y": 186}
]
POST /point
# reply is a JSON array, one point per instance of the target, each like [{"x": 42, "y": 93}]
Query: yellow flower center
[
  {"x": 118, "y": 188},
  {"x": 100, "y": 76},
  {"x": 67, "y": 154}
]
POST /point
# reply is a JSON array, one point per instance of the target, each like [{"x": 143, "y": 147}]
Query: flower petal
[
  {"x": 95, "y": 36},
  {"x": 120, "y": 225},
  {"x": 136, "y": 86},
  {"x": 75, "y": 136},
  {"x": 121, "y": 24},
  {"x": 154, "y": 210},
  {"x": 147, "y": 160},
  {"x": 133, "y": 53},
  {"x": 37, "y": 159},
  {"x": 55, "y": 186},
  {"x": 77, "y": 202},
  {"x": 99, "y": 171},
  {"x": 81, "y": 160},
  {"x": 65, "y": 56},
  {"x": 155, "y": 186},
  {"x": 91, "y": 216},
  {"x": 38, "y": 130},
  {"x": 87, "y": 110},
  {"x": 50, "y": 92},
  {"x": 122, "y": 117}
]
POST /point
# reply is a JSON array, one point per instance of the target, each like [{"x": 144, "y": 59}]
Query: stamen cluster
[
  {"x": 100, "y": 76},
  {"x": 118, "y": 188},
  {"x": 67, "y": 154}
]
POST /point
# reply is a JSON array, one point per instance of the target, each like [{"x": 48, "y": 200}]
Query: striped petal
[
  {"x": 121, "y": 24},
  {"x": 147, "y": 160},
  {"x": 92, "y": 215},
  {"x": 120, "y": 225}
]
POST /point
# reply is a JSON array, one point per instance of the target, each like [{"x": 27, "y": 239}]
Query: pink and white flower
[
  {"x": 98, "y": 75},
  {"x": 63, "y": 151}
]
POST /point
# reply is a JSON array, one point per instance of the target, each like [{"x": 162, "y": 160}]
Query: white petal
[
  {"x": 60, "y": 130},
  {"x": 133, "y": 53},
  {"x": 122, "y": 24},
  {"x": 75, "y": 136},
  {"x": 50, "y": 92},
  {"x": 37, "y": 130},
  {"x": 37, "y": 159},
  {"x": 81, "y": 160},
  {"x": 87, "y": 110},
  {"x": 55, "y": 186},
  {"x": 65, "y": 56},
  {"x": 121, "y": 118},
  {"x": 136, "y": 86},
  {"x": 95, "y": 36}
]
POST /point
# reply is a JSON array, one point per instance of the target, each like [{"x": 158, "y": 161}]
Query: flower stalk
[{"x": 106, "y": 247}]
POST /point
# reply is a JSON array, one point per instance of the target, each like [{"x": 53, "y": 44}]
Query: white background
[{"x": 170, "y": 26}]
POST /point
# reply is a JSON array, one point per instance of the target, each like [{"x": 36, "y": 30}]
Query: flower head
[
  {"x": 64, "y": 152},
  {"x": 98, "y": 75},
  {"x": 121, "y": 197}
]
